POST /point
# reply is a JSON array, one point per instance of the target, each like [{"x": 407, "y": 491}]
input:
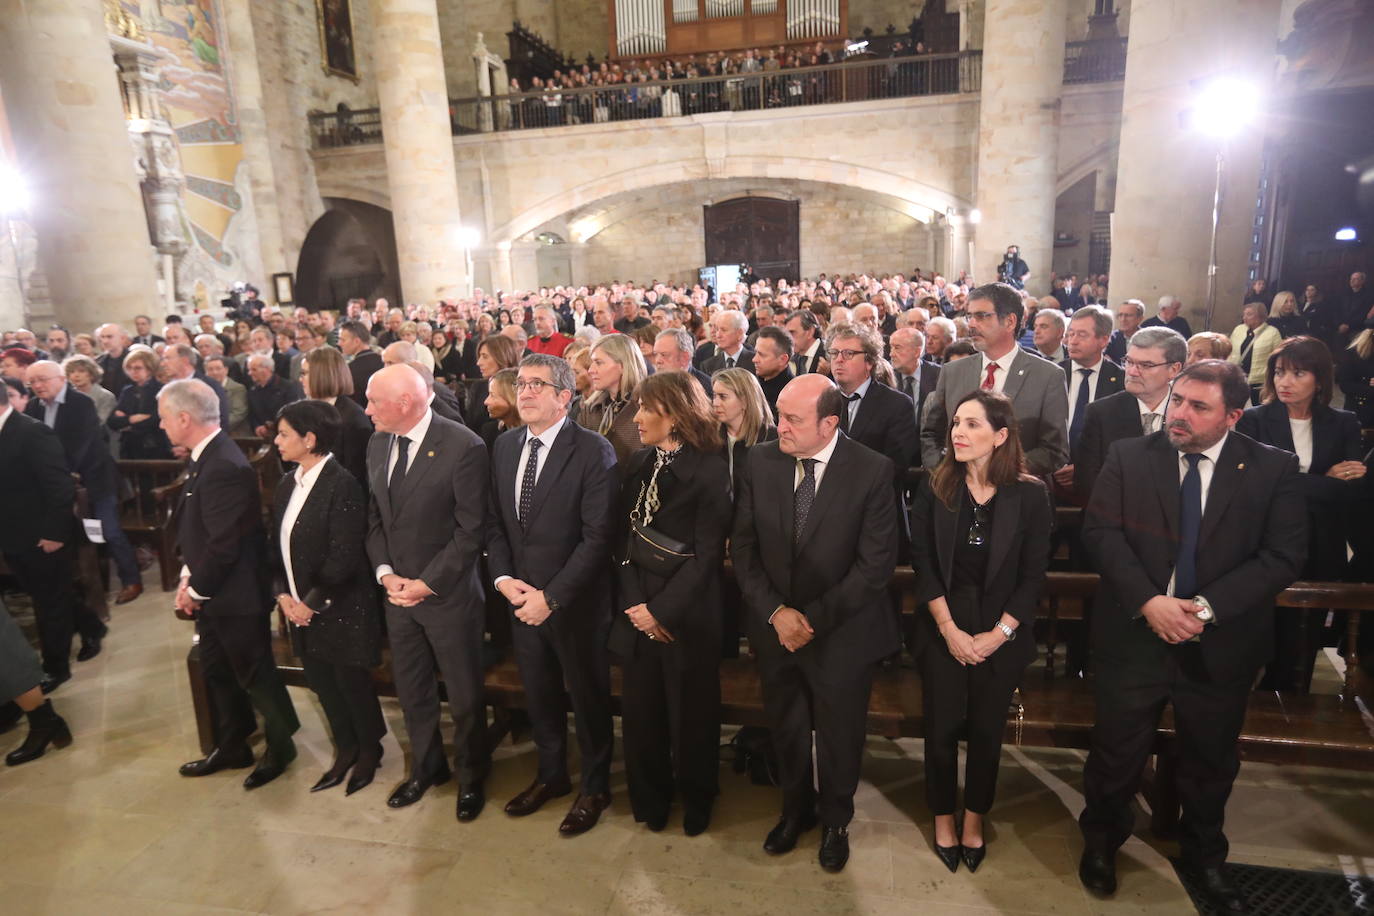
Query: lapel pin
[
  {"x": 1241, "y": 466},
  {"x": 1021, "y": 372},
  {"x": 430, "y": 454}
]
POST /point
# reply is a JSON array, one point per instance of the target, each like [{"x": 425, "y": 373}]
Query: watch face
[{"x": 1205, "y": 614}]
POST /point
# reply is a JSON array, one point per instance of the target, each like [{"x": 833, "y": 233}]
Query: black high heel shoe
[
  {"x": 948, "y": 855},
  {"x": 335, "y": 775},
  {"x": 973, "y": 855},
  {"x": 363, "y": 771}
]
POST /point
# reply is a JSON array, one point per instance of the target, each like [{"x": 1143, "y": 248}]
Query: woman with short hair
[
  {"x": 325, "y": 377},
  {"x": 84, "y": 374},
  {"x": 135, "y": 415}
]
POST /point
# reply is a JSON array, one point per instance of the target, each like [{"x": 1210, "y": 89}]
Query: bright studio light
[
  {"x": 468, "y": 237},
  {"x": 1346, "y": 234},
  {"x": 1225, "y": 106},
  {"x": 14, "y": 191},
  {"x": 975, "y": 216}
]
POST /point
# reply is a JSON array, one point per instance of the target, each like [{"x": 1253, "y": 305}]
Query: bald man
[{"x": 428, "y": 478}]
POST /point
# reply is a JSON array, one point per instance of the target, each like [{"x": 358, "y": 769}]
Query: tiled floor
[{"x": 108, "y": 827}]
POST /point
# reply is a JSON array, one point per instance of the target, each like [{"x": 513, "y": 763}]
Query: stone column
[
  {"x": 1166, "y": 174},
  {"x": 1018, "y": 135},
  {"x": 419, "y": 149},
  {"x": 62, "y": 96}
]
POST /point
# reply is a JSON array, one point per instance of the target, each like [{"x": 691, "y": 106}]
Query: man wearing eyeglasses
[
  {"x": 1090, "y": 376},
  {"x": 554, "y": 487},
  {"x": 1035, "y": 386}
]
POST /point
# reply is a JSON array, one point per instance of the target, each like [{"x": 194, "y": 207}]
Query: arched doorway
[
  {"x": 349, "y": 252},
  {"x": 759, "y": 231}
]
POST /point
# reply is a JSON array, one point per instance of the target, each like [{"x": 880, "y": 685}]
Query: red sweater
[{"x": 554, "y": 346}]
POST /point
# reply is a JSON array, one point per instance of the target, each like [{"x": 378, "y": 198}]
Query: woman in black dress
[
  {"x": 136, "y": 411},
  {"x": 981, "y": 545},
  {"x": 326, "y": 590},
  {"x": 668, "y": 632},
  {"x": 325, "y": 377}
]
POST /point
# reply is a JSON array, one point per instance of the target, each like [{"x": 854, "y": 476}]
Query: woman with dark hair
[
  {"x": 493, "y": 354},
  {"x": 981, "y": 545},
  {"x": 500, "y": 406},
  {"x": 326, "y": 590},
  {"x": 674, "y": 516},
  {"x": 325, "y": 377},
  {"x": 1296, "y": 415},
  {"x": 448, "y": 359}
]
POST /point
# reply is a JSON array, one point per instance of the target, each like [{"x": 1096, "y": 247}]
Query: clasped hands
[
  {"x": 528, "y": 602},
  {"x": 296, "y": 611},
  {"x": 404, "y": 592},
  {"x": 1173, "y": 620},
  {"x": 184, "y": 602},
  {"x": 970, "y": 649},
  {"x": 793, "y": 629},
  {"x": 645, "y": 623}
]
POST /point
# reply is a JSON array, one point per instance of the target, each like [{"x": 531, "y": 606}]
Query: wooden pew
[{"x": 146, "y": 515}]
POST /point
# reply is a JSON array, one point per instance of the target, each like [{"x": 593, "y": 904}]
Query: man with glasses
[
  {"x": 1129, "y": 316},
  {"x": 554, "y": 486},
  {"x": 306, "y": 340},
  {"x": 1090, "y": 376},
  {"x": 1035, "y": 386}
]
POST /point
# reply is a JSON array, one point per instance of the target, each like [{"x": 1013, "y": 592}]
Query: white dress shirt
[
  {"x": 546, "y": 439},
  {"x": 1076, "y": 381},
  {"x": 1146, "y": 412},
  {"x": 5, "y": 415},
  {"x": 305, "y": 482},
  {"x": 999, "y": 380},
  {"x": 853, "y": 406},
  {"x": 1205, "y": 468},
  {"x": 822, "y": 462},
  {"x": 50, "y": 408},
  {"x": 416, "y": 434},
  {"x": 195, "y": 456}
]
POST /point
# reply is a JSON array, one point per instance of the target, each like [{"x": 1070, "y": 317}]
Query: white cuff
[{"x": 383, "y": 571}]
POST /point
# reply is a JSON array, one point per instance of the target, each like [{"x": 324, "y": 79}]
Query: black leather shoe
[
  {"x": 584, "y": 813},
  {"x": 973, "y": 856},
  {"x": 695, "y": 820},
  {"x": 335, "y": 774},
  {"x": 948, "y": 855},
  {"x": 1219, "y": 890},
  {"x": 51, "y": 682},
  {"x": 90, "y": 648},
  {"x": 412, "y": 790},
  {"x": 834, "y": 848},
  {"x": 533, "y": 798},
  {"x": 265, "y": 773},
  {"x": 471, "y": 801},
  {"x": 1097, "y": 871},
  {"x": 656, "y": 823},
  {"x": 783, "y": 837},
  {"x": 218, "y": 759},
  {"x": 52, "y": 731}
]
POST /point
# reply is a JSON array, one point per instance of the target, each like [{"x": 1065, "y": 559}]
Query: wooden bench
[{"x": 154, "y": 486}]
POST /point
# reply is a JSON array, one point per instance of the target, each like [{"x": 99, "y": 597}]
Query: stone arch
[
  {"x": 1101, "y": 158},
  {"x": 349, "y": 251},
  {"x": 918, "y": 194}
]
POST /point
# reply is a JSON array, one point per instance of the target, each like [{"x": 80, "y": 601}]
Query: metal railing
[
  {"x": 346, "y": 127},
  {"x": 1100, "y": 61}
]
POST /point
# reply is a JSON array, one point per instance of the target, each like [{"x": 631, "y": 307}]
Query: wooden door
[{"x": 759, "y": 231}]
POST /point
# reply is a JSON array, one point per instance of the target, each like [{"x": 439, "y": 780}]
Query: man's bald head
[
  {"x": 808, "y": 414},
  {"x": 399, "y": 353},
  {"x": 397, "y": 399}
]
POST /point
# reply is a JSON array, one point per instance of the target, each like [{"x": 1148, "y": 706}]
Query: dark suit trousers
[
  {"x": 236, "y": 656},
  {"x": 47, "y": 577},
  {"x": 798, "y": 701},
  {"x": 670, "y": 724},
  {"x": 349, "y": 698},
  {"x": 970, "y": 702},
  {"x": 575, "y": 659},
  {"x": 420, "y": 637},
  {"x": 1208, "y": 718}
]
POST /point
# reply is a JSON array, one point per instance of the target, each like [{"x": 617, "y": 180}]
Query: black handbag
[{"x": 655, "y": 552}]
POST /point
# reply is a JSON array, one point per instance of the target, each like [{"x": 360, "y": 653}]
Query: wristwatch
[
  {"x": 1204, "y": 612},
  {"x": 1007, "y": 631},
  {"x": 552, "y": 603}
]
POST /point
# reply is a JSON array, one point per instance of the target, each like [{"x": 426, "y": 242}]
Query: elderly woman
[
  {"x": 1208, "y": 345},
  {"x": 615, "y": 372},
  {"x": 84, "y": 373},
  {"x": 135, "y": 414},
  {"x": 1251, "y": 343},
  {"x": 410, "y": 333},
  {"x": 85, "y": 345},
  {"x": 1284, "y": 315}
]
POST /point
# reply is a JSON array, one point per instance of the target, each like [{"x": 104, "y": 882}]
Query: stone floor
[{"x": 108, "y": 827}]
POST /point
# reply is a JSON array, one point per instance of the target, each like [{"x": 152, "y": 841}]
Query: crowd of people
[{"x": 561, "y": 474}]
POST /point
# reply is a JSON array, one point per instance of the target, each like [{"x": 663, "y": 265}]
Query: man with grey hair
[
  {"x": 1129, "y": 316},
  {"x": 517, "y": 333},
  {"x": 1169, "y": 317},
  {"x": 728, "y": 329},
  {"x": 630, "y": 318},
  {"x": 673, "y": 351},
  {"x": 940, "y": 333},
  {"x": 547, "y": 338},
  {"x": 114, "y": 341},
  {"x": 180, "y": 362},
  {"x": 268, "y": 395},
  {"x": 1090, "y": 375},
  {"x": 223, "y": 588},
  {"x": 1048, "y": 334}
]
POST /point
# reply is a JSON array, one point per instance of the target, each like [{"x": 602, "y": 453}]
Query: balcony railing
[
  {"x": 346, "y": 127},
  {"x": 1101, "y": 61}
]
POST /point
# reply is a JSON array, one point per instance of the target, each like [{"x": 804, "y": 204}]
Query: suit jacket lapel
[
  {"x": 831, "y": 481},
  {"x": 1016, "y": 375},
  {"x": 1164, "y": 465},
  {"x": 1280, "y": 431},
  {"x": 1226, "y": 480},
  {"x": 1006, "y": 513},
  {"x": 946, "y": 527},
  {"x": 559, "y": 454},
  {"x": 864, "y": 413},
  {"x": 421, "y": 459},
  {"x": 380, "y": 491}
]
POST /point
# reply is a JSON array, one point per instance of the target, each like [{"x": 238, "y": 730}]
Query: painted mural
[{"x": 198, "y": 101}]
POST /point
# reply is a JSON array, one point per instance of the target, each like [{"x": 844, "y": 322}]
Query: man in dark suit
[
  {"x": 1129, "y": 316},
  {"x": 554, "y": 486},
  {"x": 1156, "y": 356},
  {"x": 1090, "y": 376},
  {"x": 179, "y": 360},
  {"x": 114, "y": 340},
  {"x": 1065, "y": 292},
  {"x": 269, "y": 394},
  {"x": 875, "y": 415},
  {"x": 1169, "y": 317},
  {"x": 814, "y": 545},
  {"x": 427, "y": 516},
  {"x": 224, "y": 586},
  {"x": 143, "y": 333},
  {"x": 37, "y": 535},
  {"x": 916, "y": 376},
  {"x": 673, "y": 349},
  {"x": 808, "y": 350},
  {"x": 355, "y": 344},
  {"x": 71, "y": 415},
  {"x": 772, "y": 364},
  {"x": 1177, "y": 624},
  {"x": 728, "y": 329}
]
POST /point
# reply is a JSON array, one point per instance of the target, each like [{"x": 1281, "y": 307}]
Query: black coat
[
  {"x": 330, "y": 569},
  {"x": 144, "y": 439},
  {"x": 564, "y": 547},
  {"x": 354, "y": 434},
  {"x": 1354, "y": 375},
  {"x": 1018, "y": 557},
  {"x": 445, "y": 403},
  {"x": 112, "y": 372},
  {"x": 838, "y": 574},
  {"x": 219, "y": 530},
  {"x": 361, "y": 368},
  {"x": 1335, "y": 438},
  {"x": 265, "y": 400},
  {"x": 695, "y": 494},
  {"x": 83, "y": 441},
  {"x": 38, "y": 490},
  {"x": 717, "y": 362},
  {"x": 1254, "y": 529},
  {"x": 1106, "y": 420}
]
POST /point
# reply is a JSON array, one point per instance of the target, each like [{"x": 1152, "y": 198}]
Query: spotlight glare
[
  {"x": 1346, "y": 234},
  {"x": 975, "y": 216},
  {"x": 14, "y": 192},
  {"x": 1225, "y": 106}
]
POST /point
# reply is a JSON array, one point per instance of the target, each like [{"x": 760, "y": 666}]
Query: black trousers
[
  {"x": 447, "y": 638},
  {"x": 1208, "y": 719},
  {"x": 970, "y": 702},
  {"x": 670, "y": 724},
  {"x": 574, "y": 658},
  {"x": 59, "y": 613},
  {"x": 800, "y": 699},
  {"x": 349, "y": 698},
  {"x": 242, "y": 676}
]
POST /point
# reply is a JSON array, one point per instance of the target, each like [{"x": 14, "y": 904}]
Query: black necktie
[
  {"x": 1189, "y": 528},
  {"x": 729, "y": 362},
  {"x": 804, "y": 497},
  {"x": 844, "y": 414},
  {"x": 909, "y": 386},
  {"x": 799, "y": 364},
  {"x": 1247, "y": 351},
  {"x": 527, "y": 483},
  {"x": 398, "y": 471},
  {"x": 1080, "y": 408}
]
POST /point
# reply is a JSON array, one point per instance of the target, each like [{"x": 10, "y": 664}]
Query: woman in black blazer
[
  {"x": 326, "y": 590},
  {"x": 136, "y": 411},
  {"x": 325, "y": 377},
  {"x": 981, "y": 545},
  {"x": 1355, "y": 375},
  {"x": 668, "y": 633},
  {"x": 1296, "y": 415}
]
